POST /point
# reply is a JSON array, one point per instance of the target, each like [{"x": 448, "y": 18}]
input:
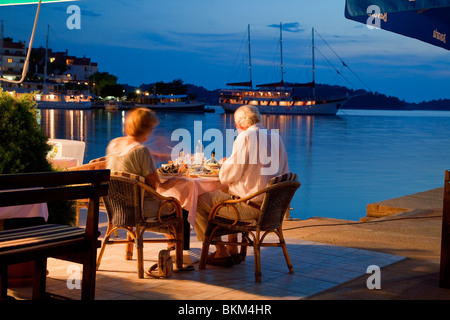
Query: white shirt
[{"x": 252, "y": 164}]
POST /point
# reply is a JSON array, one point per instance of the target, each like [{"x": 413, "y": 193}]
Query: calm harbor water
[{"x": 343, "y": 162}]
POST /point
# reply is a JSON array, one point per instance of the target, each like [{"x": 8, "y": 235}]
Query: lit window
[{"x": 10, "y": 60}]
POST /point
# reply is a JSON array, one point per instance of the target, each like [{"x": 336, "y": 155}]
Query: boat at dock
[
  {"x": 52, "y": 94},
  {"x": 112, "y": 105},
  {"x": 49, "y": 99},
  {"x": 62, "y": 101},
  {"x": 280, "y": 97},
  {"x": 170, "y": 103}
]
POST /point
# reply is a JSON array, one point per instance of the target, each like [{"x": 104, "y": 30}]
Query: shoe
[{"x": 225, "y": 262}]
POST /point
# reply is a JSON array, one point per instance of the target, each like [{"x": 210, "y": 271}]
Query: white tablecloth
[
  {"x": 25, "y": 211},
  {"x": 187, "y": 191},
  {"x": 64, "y": 162}
]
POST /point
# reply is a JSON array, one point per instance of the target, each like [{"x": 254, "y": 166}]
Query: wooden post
[{"x": 444, "y": 278}]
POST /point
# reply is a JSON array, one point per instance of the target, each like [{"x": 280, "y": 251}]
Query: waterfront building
[
  {"x": 80, "y": 69},
  {"x": 12, "y": 58},
  {"x": 61, "y": 67}
]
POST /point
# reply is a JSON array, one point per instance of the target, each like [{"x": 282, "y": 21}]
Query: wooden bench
[{"x": 63, "y": 242}]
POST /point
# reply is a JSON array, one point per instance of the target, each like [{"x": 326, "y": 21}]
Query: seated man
[{"x": 257, "y": 157}]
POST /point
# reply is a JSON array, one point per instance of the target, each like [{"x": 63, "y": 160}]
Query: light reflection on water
[{"x": 343, "y": 162}]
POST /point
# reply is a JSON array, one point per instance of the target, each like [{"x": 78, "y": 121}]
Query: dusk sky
[{"x": 204, "y": 42}]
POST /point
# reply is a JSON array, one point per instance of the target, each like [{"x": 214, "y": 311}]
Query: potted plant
[{"x": 24, "y": 149}]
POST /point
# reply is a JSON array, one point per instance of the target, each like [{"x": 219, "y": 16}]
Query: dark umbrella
[{"x": 426, "y": 20}]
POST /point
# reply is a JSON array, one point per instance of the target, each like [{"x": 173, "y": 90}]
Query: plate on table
[
  {"x": 208, "y": 175},
  {"x": 212, "y": 165},
  {"x": 171, "y": 174}
]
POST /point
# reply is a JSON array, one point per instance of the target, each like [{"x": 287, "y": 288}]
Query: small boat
[
  {"x": 112, "y": 105},
  {"x": 62, "y": 101},
  {"x": 170, "y": 103},
  {"x": 280, "y": 97},
  {"x": 66, "y": 99}
]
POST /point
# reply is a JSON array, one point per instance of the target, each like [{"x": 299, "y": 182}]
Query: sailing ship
[
  {"x": 112, "y": 105},
  {"x": 170, "y": 103},
  {"x": 279, "y": 98},
  {"x": 47, "y": 94}
]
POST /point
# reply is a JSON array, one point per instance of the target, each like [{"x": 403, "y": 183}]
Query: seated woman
[{"x": 128, "y": 154}]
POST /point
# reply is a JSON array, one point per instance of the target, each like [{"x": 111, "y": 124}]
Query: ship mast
[
  {"x": 313, "y": 67},
  {"x": 250, "y": 59},
  {"x": 46, "y": 55},
  {"x": 281, "y": 53}
]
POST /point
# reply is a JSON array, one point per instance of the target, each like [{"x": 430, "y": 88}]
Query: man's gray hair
[{"x": 247, "y": 116}]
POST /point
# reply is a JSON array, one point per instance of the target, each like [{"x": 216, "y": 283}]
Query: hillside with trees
[{"x": 360, "y": 99}]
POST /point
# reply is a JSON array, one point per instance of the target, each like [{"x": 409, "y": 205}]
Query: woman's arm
[{"x": 152, "y": 179}]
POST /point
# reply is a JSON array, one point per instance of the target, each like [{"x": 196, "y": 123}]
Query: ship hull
[
  {"x": 330, "y": 107},
  {"x": 64, "y": 105}
]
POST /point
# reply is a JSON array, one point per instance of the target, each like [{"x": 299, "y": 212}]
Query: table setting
[
  {"x": 189, "y": 166},
  {"x": 194, "y": 178}
]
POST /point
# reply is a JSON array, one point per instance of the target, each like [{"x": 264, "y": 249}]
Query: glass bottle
[{"x": 199, "y": 153}]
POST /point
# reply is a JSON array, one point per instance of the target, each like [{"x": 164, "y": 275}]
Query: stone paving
[{"x": 317, "y": 267}]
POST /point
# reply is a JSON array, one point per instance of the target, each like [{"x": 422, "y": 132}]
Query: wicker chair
[
  {"x": 276, "y": 201},
  {"x": 94, "y": 164},
  {"x": 124, "y": 207}
]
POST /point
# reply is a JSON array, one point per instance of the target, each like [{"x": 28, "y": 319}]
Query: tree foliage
[
  {"x": 24, "y": 146},
  {"x": 105, "y": 84},
  {"x": 174, "y": 87}
]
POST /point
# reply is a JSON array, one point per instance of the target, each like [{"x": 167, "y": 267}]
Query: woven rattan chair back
[
  {"x": 123, "y": 203},
  {"x": 277, "y": 201}
]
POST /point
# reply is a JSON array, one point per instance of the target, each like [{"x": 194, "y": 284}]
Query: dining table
[
  {"x": 35, "y": 210},
  {"x": 187, "y": 190},
  {"x": 63, "y": 163}
]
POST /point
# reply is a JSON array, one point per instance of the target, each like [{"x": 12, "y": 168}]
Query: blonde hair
[
  {"x": 247, "y": 116},
  {"x": 140, "y": 121}
]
